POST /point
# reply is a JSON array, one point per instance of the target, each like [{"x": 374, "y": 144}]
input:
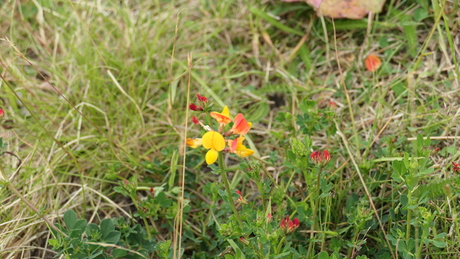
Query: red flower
[
  {"x": 288, "y": 226},
  {"x": 201, "y": 98},
  {"x": 193, "y": 107},
  {"x": 2, "y": 113},
  {"x": 320, "y": 158}
]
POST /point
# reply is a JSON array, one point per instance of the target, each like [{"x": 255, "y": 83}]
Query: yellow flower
[
  {"x": 215, "y": 142},
  {"x": 194, "y": 142},
  {"x": 223, "y": 117},
  {"x": 237, "y": 147}
]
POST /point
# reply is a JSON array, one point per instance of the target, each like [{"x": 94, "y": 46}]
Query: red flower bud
[
  {"x": 241, "y": 199},
  {"x": 2, "y": 113},
  {"x": 201, "y": 98},
  {"x": 269, "y": 217},
  {"x": 195, "y": 120},
  {"x": 193, "y": 107}
]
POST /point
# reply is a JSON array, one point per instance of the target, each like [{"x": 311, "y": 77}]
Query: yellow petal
[
  {"x": 211, "y": 156},
  {"x": 225, "y": 111},
  {"x": 245, "y": 153},
  {"x": 213, "y": 140}
]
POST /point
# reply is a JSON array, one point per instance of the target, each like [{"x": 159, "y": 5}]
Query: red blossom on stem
[
  {"x": 288, "y": 226},
  {"x": 2, "y": 113},
  {"x": 201, "y": 98},
  {"x": 320, "y": 158},
  {"x": 193, "y": 107}
]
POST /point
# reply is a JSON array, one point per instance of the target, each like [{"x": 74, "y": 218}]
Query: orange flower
[
  {"x": 237, "y": 147},
  {"x": 194, "y": 142},
  {"x": 240, "y": 125},
  {"x": 223, "y": 117},
  {"x": 372, "y": 62}
]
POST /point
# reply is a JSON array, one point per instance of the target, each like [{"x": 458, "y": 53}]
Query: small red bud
[
  {"x": 201, "y": 98},
  {"x": 195, "y": 120},
  {"x": 193, "y": 107},
  {"x": 2, "y": 113}
]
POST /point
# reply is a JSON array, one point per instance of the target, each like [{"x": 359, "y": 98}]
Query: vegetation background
[{"x": 95, "y": 92}]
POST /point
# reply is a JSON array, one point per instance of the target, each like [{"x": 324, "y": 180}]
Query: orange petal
[
  {"x": 241, "y": 125},
  {"x": 372, "y": 62},
  {"x": 222, "y": 117}
]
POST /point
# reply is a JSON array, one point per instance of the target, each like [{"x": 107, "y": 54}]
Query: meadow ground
[{"x": 96, "y": 95}]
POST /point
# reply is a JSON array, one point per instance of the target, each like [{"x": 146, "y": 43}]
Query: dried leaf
[{"x": 351, "y": 9}]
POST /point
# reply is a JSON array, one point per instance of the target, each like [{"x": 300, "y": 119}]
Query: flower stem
[
  {"x": 229, "y": 192},
  {"x": 315, "y": 210}
]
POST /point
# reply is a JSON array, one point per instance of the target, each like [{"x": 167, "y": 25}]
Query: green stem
[
  {"x": 409, "y": 216},
  {"x": 278, "y": 248},
  {"x": 315, "y": 211},
  {"x": 229, "y": 192}
]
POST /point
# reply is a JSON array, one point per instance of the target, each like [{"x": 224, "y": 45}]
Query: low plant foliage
[{"x": 228, "y": 129}]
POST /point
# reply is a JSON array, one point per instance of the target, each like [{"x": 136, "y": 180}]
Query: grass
[{"x": 96, "y": 92}]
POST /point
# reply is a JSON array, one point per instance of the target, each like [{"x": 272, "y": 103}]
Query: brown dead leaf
[{"x": 351, "y": 9}]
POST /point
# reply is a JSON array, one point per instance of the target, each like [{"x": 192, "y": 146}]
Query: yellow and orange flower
[
  {"x": 222, "y": 117},
  {"x": 240, "y": 125},
  {"x": 237, "y": 147},
  {"x": 194, "y": 142}
]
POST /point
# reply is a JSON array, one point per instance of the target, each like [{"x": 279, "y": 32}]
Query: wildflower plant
[{"x": 221, "y": 138}]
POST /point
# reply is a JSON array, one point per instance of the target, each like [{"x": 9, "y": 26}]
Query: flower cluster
[
  {"x": 288, "y": 226},
  {"x": 215, "y": 141},
  {"x": 320, "y": 158}
]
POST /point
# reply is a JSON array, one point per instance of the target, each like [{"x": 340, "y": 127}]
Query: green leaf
[
  {"x": 70, "y": 217},
  {"x": 106, "y": 227},
  {"x": 119, "y": 253},
  {"x": 323, "y": 255},
  {"x": 238, "y": 253},
  {"x": 439, "y": 243},
  {"x": 112, "y": 237}
]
